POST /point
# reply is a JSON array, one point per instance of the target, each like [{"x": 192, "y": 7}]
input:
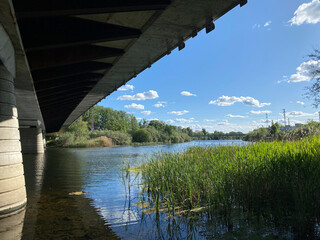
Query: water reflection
[{"x": 51, "y": 211}]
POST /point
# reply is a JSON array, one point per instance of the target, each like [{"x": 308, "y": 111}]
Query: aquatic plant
[{"x": 279, "y": 181}]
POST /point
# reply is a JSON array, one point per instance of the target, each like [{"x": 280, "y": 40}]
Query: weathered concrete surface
[
  {"x": 12, "y": 184},
  {"x": 11, "y": 225},
  {"x": 7, "y": 52},
  {"x": 31, "y": 140},
  {"x": 17, "y": 64}
]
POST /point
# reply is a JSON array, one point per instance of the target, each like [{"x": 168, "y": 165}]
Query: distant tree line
[
  {"x": 274, "y": 132},
  {"x": 112, "y": 127},
  {"x": 216, "y": 135}
]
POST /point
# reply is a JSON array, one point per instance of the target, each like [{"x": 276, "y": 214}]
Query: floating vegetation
[
  {"x": 77, "y": 193},
  {"x": 278, "y": 182}
]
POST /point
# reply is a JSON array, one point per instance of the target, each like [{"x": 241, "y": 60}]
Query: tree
[
  {"x": 141, "y": 136},
  {"x": 313, "y": 92},
  {"x": 275, "y": 128},
  {"x": 79, "y": 128}
]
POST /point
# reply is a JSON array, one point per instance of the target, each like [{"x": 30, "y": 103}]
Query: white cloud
[
  {"x": 134, "y": 106},
  {"x": 301, "y": 103},
  {"x": 140, "y": 96},
  {"x": 146, "y": 112},
  {"x": 153, "y": 119},
  {"x": 307, "y": 13},
  {"x": 305, "y": 72},
  {"x": 209, "y": 120},
  {"x": 160, "y": 104},
  {"x": 224, "y": 123},
  {"x": 179, "y": 113},
  {"x": 170, "y": 121},
  {"x": 260, "y": 112},
  {"x": 301, "y": 114},
  {"x": 188, "y": 94},
  {"x": 183, "y": 120},
  {"x": 126, "y": 87},
  {"x": 256, "y": 26},
  {"x": 235, "y": 116},
  {"x": 228, "y": 101},
  {"x": 267, "y": 23}
]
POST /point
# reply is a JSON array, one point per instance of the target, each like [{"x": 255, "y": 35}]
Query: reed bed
[{"x": 277, "y": 180}]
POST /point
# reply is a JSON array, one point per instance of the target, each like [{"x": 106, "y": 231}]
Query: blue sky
[{"x": 254, "y": 62}]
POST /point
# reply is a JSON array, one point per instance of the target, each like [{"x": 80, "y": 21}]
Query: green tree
[
  {"x": 204, "y": 132},
  {"x": 79, "y": 128},
  {"x": 141, "y": 136},
  {"x": 313, "y": 92},
  {"x": 275, "y": 128}
]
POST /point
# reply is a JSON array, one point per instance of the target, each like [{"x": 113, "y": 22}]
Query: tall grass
[{"x": 277, "y": 180}]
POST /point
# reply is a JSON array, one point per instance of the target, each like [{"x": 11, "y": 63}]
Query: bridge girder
[{"x": 67, "y": 41}]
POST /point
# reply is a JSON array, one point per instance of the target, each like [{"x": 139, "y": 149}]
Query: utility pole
[
  {"x": 289, "y": 122},
  {"x": 267, "y": 121},
  {"x": 92, "y": 118},
  {"x": 284, "y": 118}
]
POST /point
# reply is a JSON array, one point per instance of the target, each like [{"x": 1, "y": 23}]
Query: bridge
[{"x": 59, "y": 58}]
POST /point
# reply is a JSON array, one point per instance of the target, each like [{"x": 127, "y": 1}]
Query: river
[{"x": 84, "y": 194}]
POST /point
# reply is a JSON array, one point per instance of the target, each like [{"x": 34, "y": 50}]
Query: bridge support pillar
[
  {"x": 12, "y": 183},
  {"x": 31, "y": 136}
]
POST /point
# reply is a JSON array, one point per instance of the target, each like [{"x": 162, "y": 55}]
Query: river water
[{"x": 87, "y": 194}]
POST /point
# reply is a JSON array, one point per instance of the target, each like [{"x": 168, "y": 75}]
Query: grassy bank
[{"x": 277, "y": 180}]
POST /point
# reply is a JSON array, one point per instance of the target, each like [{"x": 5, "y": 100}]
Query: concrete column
[
  {"x": 31, "y": 136},
  {"x": 12, "y": 183}
]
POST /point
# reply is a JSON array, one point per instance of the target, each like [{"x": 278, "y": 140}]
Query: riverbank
[
  {"x": 100, "y": 142},
  {"x": 278, "y": 181}
]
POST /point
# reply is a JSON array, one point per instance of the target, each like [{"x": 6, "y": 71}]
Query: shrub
[
  {"x": 66, "y": 139},
  {"x": 142, "y": 135},
  {"x": 80, "y": 129},
  {"x": 102, "y": 141},
  {"x": 118, "y": 138}
]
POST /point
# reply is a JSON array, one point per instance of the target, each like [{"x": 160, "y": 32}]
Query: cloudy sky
[{"x": 254, "y": 62}]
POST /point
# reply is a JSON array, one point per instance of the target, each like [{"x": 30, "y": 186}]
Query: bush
[
  {"x": 66, "y": 139},
  {"x": 80, "y": 129},
  {"x": 141, "y": 136},
  {"x": 118, "y": 138},
  {"x": 102, "y": 141}
]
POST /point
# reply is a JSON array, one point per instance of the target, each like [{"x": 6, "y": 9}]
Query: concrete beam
[
  {"x": 67, "y": 81},
  {"x": 53, "y": 32},
  {"x": 164, "y": 32},
  {"x": 7, "y": 52},
  {"x": 68, "y": 70},
  {"x": 44, "y": 59},
  {"x": 26, "y": 99},
  {"x": 40, "y": 8}
]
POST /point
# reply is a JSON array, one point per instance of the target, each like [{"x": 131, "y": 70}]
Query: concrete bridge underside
[{"x": 58, "y": 58}]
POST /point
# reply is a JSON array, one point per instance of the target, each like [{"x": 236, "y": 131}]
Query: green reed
[{"x": 279, "y": 180}]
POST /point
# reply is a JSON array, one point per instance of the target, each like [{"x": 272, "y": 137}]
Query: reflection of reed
[{"x": 11, "y": 225}]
